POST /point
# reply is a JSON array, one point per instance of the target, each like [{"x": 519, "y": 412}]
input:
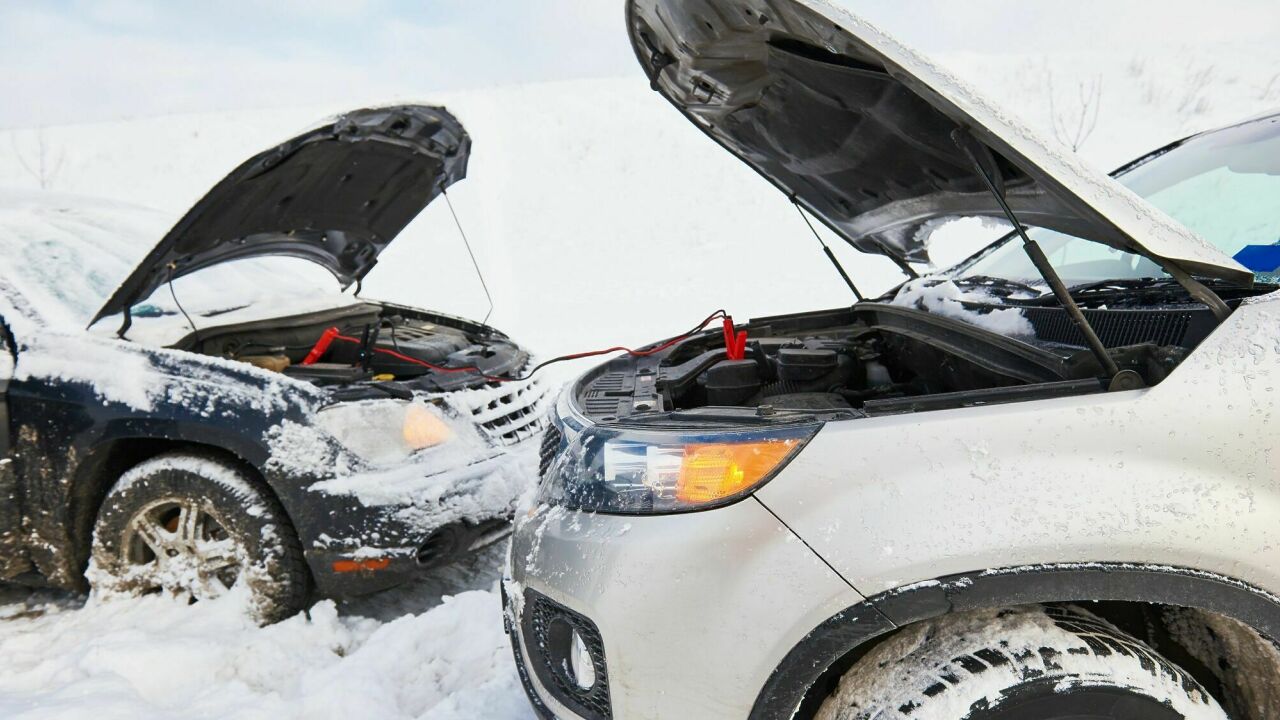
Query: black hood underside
[
  {"x": 865, "y": 169},
  {"x": 876, "y": 141},
  {"x": 336, "y": 195}
]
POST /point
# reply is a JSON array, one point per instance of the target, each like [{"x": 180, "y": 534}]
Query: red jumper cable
[{"x": 734, "y": 347}]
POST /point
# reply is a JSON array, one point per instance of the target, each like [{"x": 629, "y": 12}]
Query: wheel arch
[
  {"x": 827, "y": 651},
  {"x": 99, "y": 468}
]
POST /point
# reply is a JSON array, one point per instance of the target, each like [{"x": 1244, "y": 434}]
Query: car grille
[
  {"x": 507, "y": 413},
  {"x": 551, "y": 440}
]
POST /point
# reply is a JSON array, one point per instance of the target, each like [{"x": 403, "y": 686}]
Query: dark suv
[{"x": 227, "y": 420}]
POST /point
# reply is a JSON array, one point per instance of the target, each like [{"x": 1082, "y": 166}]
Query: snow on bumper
[
  {"x": 374, "y": 531},
  {"x": 364, "y": 528}
]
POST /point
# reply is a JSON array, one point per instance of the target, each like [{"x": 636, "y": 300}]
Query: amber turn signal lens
[
  {"x": 346, "y": 566},
  {"x": 423, "y": 429},
  {"x": 711, "y": 472}
]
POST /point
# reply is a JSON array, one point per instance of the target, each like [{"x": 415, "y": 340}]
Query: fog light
[
  {"x": 580, "y": 665},
  {"x": 567, "y": 656}
]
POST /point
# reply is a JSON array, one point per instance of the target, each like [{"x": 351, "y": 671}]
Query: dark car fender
[{"x": 70, "y": 441}]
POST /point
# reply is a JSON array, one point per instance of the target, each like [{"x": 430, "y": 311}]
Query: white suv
[{"x": 1036, "y": 486}]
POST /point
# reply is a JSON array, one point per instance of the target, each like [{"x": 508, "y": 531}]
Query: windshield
[
  {"x": 64, "y": 255},
  {"x": 1222, "y": 185}
]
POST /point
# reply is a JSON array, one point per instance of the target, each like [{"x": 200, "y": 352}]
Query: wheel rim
[{"x": 181, "y": 547}]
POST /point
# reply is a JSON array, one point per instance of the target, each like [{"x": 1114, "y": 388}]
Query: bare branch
[
  {"x": 46, "y": 165},
  {"x": 1194, "y": 101},
  {"x": 1074, "y": 125},
  {"x": 13, "y": 140},
  {"x": 1271, "y": 84}
]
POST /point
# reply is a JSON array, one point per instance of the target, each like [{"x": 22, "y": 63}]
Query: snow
[
  {"x": 113, "y": 371},
  {"x": 922, "y": 653},
  {"x": 946, "y": 298},
  {"x": 443, "y": 485},
  {"x": 600, "y": 217},
  {"x": 298, "y": 448},
  {"x": 66, "y": 254},
  {"x": 138, "y": 377},
  {"x": 432, "y": 651},
  {"x": 655, "y": 222},
  {"x": 463, "y": 478}
]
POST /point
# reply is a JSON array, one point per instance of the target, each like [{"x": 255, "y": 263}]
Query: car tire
[
  {"x": 199, "y": 526},
  {"x": 1025, "y": 663}
]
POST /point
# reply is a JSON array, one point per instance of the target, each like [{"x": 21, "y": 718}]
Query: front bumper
[
  {"x": 693, "y": 611},
  {"x": 375, "y": 533},
  {"x": 345, "y": 573}
]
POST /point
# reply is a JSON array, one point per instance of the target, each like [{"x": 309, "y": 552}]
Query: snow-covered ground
[
  {"x": 600, "y": 217},
  {"x": 433, "y": 650}
]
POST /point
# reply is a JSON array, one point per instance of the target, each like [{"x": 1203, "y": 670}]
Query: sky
[{"x": 76, "y": 61}]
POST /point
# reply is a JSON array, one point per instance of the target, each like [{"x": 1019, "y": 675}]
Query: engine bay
[
  {"x": 879, "y": 358},
  {"x": 366, "y": 342}
]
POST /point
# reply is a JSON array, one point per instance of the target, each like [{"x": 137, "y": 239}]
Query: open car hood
[
  {"x": 858, "y": 129},
  {"x": 336, "y": 195}
]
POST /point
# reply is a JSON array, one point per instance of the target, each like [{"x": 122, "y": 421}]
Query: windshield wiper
[
  {"x": 1150, "y": 283},
  {"x": 1120, "y": 284},
  {"x": 998, "y": 284}
]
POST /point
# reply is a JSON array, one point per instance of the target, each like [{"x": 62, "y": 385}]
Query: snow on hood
[
  {"x": 862, "y": 131},
  {"x": 53, "y": 348},
  {"x": 145, "y": 379},
  {"x": 64, "y": 252}
]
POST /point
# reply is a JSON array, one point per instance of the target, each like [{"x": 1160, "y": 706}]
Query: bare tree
[
  {"x": 1195, "y": 99},
  {"x": 1074, "y": 123},
  {"x": 47, "y": 163},
  {"x": 1271, "y": 84}
]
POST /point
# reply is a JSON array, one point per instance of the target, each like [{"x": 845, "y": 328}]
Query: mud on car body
[
  {"x": 231, "y": 414},
  {"x": 1037, "y": 485}
]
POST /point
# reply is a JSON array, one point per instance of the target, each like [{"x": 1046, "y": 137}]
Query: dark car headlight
[
  {"x": 386, "y": 431},
  {"x": 639, "y": 471}
]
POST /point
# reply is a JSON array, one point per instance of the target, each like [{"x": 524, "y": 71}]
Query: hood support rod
[
  {"x": 827, "y": 250},
  {"x": 126, "y": 323},
  {"x": 989, "y": 172}
]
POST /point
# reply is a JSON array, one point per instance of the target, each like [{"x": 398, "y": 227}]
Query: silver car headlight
[
  {"x": 637, "y": 471},
  {"x": 383, "y": 431}
]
